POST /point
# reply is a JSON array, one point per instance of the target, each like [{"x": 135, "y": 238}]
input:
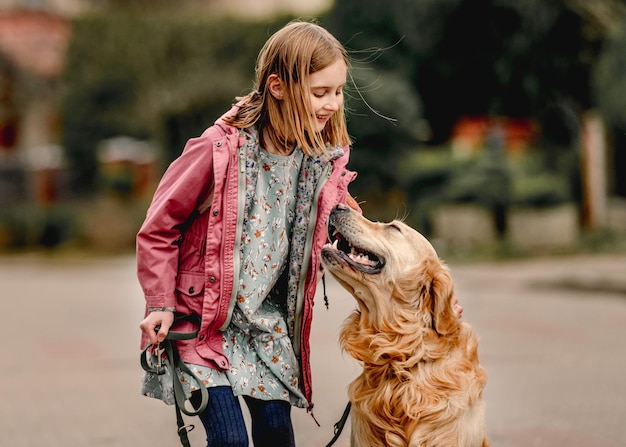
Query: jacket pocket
[
  {"x": 190, "y": 284},
  {"x": 189, "y": 292}
]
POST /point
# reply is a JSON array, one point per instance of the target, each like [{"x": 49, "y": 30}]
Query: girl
[{"x": 234, "y": 233}]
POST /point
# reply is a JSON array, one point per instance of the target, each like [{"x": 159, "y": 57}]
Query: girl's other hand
[{"x": 154, "y": 319}]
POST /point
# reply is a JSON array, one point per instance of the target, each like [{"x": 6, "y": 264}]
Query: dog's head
[{"x": 391, "y": 270}]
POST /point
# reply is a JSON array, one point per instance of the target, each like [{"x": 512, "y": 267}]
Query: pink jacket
[{"x": 186, "y": 257}]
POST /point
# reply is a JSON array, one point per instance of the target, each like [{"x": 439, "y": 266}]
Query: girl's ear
[{"x": 275, "y": 86}]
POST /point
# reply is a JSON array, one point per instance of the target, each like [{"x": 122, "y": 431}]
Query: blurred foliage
[
  {"x": 483, "y": 179},
  {"x": 380, "y": 140},
  {"x": 611, "y": 82},
  {"x": 102, "y": 224},
  {"x": 164, "y": 78},
  {"x": 29, "y": 225},
  {"x": 490, "y": 178},
  {"x": 531, "y": 58},
  {"x": 532, "y": 185}
]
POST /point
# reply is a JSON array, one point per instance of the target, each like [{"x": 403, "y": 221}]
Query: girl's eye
[{"x": 321, "y": 94}]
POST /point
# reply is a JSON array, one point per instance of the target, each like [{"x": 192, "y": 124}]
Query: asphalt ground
[{"x": 553, "y": 340}]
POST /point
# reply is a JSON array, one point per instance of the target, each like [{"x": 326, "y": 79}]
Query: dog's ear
[{"x": 437, "y": 295}]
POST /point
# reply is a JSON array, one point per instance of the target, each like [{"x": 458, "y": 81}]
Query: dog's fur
[{"x": 422, "y": 383}]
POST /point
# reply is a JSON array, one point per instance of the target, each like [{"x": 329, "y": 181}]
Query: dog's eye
[{"x": 395, "y": 227}]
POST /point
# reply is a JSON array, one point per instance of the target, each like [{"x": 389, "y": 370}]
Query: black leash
[
  {"x": 169, "y": 348},
  {"x": 340, "y": 424},
  {"x": 324, "y": 286}
]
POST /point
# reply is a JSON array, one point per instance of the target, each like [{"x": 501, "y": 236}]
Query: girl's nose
[{"x": 333, "y": 104}]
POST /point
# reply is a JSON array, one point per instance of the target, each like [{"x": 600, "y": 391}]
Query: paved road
[{"x": 553, "y": 335}]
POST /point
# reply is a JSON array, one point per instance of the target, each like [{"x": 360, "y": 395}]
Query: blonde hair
[{"x": 293, "y": 53}]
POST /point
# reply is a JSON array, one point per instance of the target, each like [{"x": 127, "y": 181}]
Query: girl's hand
[
  {"x": 154, "y": 319},
  {"x": 458, "y": 310}
]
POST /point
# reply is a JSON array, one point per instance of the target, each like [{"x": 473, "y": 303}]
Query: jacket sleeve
[{"x": 180, "y": 190}]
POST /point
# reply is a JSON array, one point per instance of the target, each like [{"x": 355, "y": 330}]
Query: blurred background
[{"x": 495, "y": 127}]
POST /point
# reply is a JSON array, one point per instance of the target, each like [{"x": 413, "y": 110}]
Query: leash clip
[{"x": 159, "y": 368}]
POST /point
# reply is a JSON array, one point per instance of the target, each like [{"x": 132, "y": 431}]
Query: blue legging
[{"x": 225, "y": 425}]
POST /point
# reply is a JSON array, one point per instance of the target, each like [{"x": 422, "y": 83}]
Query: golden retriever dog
[{"x": 422, "y": 384}]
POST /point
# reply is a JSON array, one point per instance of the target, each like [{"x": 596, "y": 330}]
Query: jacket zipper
[{"x": 241, "y": 188}]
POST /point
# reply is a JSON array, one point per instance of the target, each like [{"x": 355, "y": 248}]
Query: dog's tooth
[
  {"x": 362, "y": 258},
  {"x": 336, "y": 244}
]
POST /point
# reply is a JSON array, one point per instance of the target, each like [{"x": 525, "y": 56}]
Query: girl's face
[{"x": 326, "y": 91}]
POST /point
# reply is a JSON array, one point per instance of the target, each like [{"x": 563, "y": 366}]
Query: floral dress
[{"x": 263, "y": 363}]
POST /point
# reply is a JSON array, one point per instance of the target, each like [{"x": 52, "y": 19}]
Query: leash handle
[{"x": 171, "y": 353}]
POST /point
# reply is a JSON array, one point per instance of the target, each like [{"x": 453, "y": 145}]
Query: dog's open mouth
[{"x": 360, "y": 259}]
